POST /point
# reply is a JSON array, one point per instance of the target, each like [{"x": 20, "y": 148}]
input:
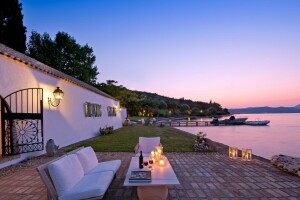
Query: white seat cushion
[
  {"x": 112, "y": 165},
  {"x": 148, "y": 144},
  {"x": 87, "y": 158},
  {"x": 91, "y": 185},
  {"x": 65, "y": 173}
]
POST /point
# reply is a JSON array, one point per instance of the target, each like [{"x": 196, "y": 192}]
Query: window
[
  {"x": 92, "y": 110},
  {"x": 111, "y": 111}
]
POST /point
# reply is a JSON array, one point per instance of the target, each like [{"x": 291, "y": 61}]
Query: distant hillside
[
  {"x": 257, "y": 110},
  {"x": 140, "y": 103}
]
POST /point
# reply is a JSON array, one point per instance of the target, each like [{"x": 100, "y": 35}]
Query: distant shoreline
[{"x": 265, "y": 110}]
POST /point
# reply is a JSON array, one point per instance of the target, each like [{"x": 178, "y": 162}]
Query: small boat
[
  {"x": 231, "y": 121},
  {"x": 235, "y": 121},
  {"x": 257, "y": 123}
]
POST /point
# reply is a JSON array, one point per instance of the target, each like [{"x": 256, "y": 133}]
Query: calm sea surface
[{"x": 280, "y": 136}]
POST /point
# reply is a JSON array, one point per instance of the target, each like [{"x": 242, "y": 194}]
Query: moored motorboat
[
  {"x": 258, "y": 122},
  {"x": 231, "y": 121}
]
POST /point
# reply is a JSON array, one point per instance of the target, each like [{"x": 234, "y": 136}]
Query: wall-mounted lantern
[
  {"x": 119, "y": 109},
  {"x": 58, "y": 95}
]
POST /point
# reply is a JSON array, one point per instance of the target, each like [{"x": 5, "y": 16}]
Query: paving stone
[
  {"x": 272, "y": 192},
  {"x": 195, "y": 186},
  {"x": 191, "y": 193},
  {"x": 172, "y": 193}
]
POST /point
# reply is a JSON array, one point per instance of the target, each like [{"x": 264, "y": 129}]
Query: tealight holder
[
  {"x": 161, "y": 162},
  {"x": 156, "y": 155},
  {"x": 233, "y": 152},
  {"x": 159, "y": 150},
  {"x": 152, "y": 154}
]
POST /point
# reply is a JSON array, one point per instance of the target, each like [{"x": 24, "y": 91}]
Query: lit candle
[
  {"x": 244, "y": 154},
  {"x": 249, "y": 154},
  {"x": 161, "y": 162},
  {"x": 230, "y": 152},
  {"x": 152, "y": 154}
]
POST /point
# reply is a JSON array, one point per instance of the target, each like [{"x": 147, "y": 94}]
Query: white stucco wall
[{"x": 66, "y": 124}]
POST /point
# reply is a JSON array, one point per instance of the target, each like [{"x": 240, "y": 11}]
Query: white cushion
[
  {"x": 87, "y": 158},
  {"x": 148, "y": 144},
  {"x": 112, "y": 165},
  {"x": 65, "y": 173},
  {"x": 91, "y": 185}
]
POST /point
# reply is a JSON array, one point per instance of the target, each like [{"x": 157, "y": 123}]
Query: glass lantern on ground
[
  {"x": 233, "y": 152},
  {"x": 246, "y": 154}
]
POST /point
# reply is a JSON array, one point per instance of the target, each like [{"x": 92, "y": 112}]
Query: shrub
[{"x": 201, "y": 142}]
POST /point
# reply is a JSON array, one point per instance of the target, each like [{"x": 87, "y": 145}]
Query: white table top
[{"x": 159, "y": 175}]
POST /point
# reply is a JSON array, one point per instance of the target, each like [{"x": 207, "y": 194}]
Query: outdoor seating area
[{"x": 201, "y": 176}]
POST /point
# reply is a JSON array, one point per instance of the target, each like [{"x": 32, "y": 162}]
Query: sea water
[{"x": 280, "y": 136}]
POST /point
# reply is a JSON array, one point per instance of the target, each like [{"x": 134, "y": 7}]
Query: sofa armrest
[{"x": 46, "y": 178}]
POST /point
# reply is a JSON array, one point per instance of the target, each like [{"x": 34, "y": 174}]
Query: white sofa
[{"x": 78, "y": 175}]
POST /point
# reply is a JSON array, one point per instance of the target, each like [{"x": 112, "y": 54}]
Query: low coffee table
[{"x": 161, "y": 177}]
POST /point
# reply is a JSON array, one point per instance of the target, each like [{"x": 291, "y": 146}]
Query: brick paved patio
[{"x": 202, "y": 176}]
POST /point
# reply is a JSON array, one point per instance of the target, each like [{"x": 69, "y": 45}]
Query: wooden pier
[{"x": 184, "y": 123}]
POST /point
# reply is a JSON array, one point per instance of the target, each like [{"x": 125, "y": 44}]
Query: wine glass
[{"x": 145, "y": 163}]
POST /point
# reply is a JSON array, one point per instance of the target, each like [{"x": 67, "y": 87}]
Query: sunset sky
[{"x": 236, "y": 53}]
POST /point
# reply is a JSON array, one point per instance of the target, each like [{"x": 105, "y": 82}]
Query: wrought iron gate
[{"x": 22, "y": 121}]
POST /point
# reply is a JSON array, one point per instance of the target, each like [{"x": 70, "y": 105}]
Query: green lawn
[{"x": 125, "y": 139}]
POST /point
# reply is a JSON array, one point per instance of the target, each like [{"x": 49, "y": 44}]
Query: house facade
[{"x": 31, "y": 115}]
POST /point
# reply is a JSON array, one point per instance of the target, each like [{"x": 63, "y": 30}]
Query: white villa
[{"x": 31, "y": 113}]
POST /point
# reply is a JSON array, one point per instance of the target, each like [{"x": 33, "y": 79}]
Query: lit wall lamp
[
  {"x": 58, "y": 95},
  {"x": 119, "y": 109}
]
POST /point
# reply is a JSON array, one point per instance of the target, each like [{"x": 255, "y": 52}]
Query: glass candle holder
[
  {"x": 233, "y": 152},
  {"x": 161, "y": 162},
  {"x": 159, "y": 149},
  {"x": 152, "y": 154}
]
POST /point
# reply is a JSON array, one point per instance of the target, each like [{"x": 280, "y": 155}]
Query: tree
[
  {"x": 12, "y": 31},
  {"x": 64, "y": 54},
  {"x": 163, "y": 104}
]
